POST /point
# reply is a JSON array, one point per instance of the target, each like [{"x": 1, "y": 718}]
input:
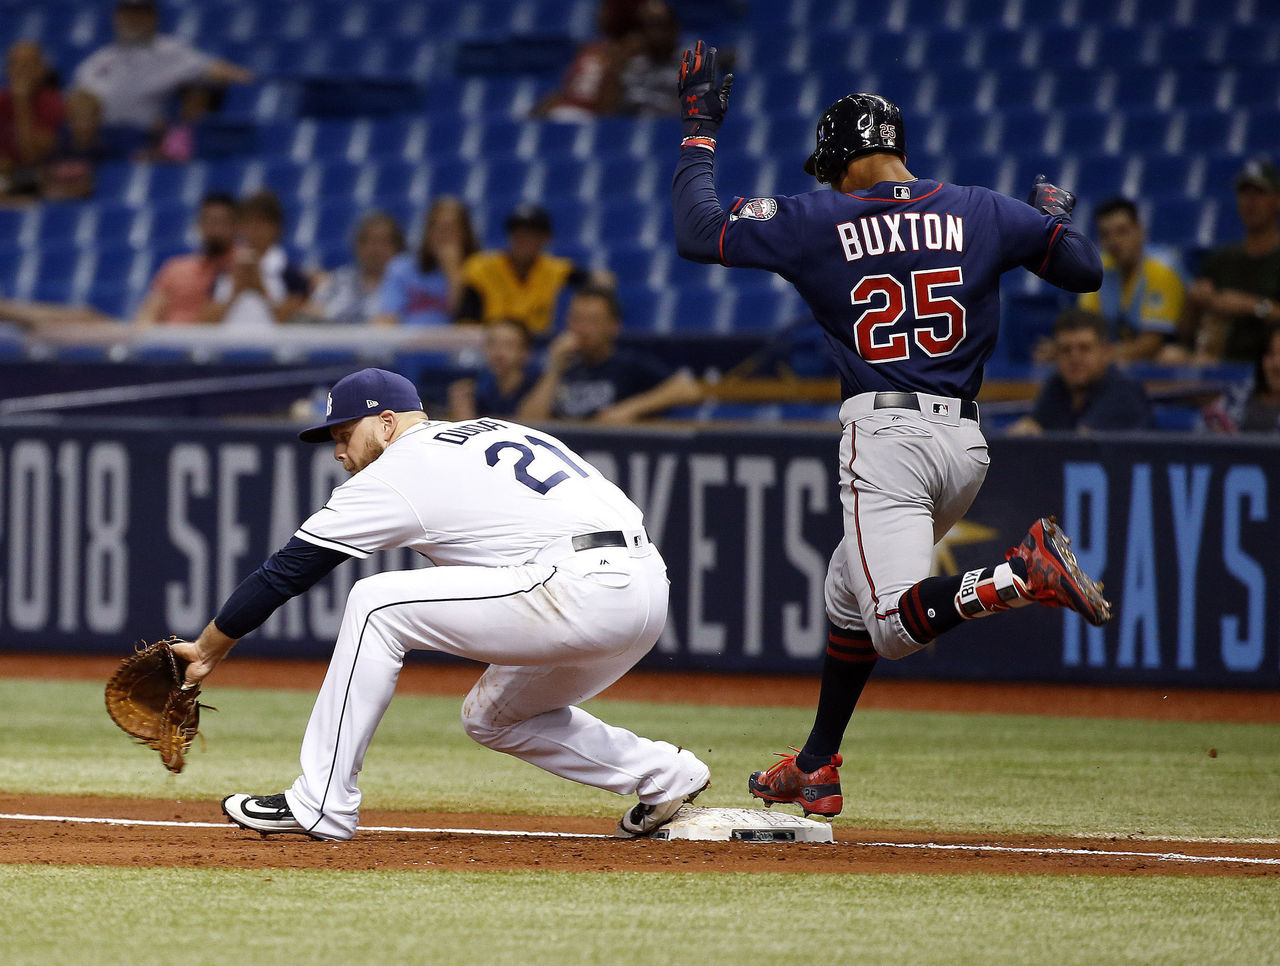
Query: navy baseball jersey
[{"x": 903, "y": 278}]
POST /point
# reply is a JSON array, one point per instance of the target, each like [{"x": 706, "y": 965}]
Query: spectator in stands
[
  {"x": 508, "y": 376},
  {"x": 587, "y": 376},
  {"x": 424, "y": 287},
  {"x": 1253, "y": 407},
  {"x": 263, "y": 285},
  {"x": 1236, "y": 294},
  {"x": 182, "y": 291},
  {"x": 31, "y": 111},
  {"x": 1142, "y": 293},
  {"x": 352, "y": 294},
  {"x": 1086, "y": 392},
  {"x": 589, "y": 86},
  {"x": 521, "y": 282},
  {"x": 135, "y": 77},
  {"x": 71, "y": 172},
  {"x": 646, "y": 83}
]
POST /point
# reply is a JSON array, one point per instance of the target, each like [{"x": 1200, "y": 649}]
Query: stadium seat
[
  {"x": 1202, "y": 87},
  {"x": 1168, "y": 174},
  {"x": 947, "y": 48},
  {"x": 959, "y": 89},
  {"x": 1089, "y": 131},
  {"x": 1144, "y": 131}
]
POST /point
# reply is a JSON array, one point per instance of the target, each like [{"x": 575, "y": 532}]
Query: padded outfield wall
[{"x": 116, "y": 531}]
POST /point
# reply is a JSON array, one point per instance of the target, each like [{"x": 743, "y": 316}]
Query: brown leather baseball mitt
[{"x": 147, "y": 699}]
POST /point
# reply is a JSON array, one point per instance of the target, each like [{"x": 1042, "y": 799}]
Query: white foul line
[
  {"x": 505, "y": 833},
  {"x": 514, "y": 833}
]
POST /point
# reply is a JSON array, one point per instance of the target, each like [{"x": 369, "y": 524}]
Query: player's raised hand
[
  {"x": 1050, "y": 199},
  {"x": 704, "y": 97}
]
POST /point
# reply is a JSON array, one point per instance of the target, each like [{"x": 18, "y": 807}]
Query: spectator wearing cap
[
  {"x": 522, "y": 281},
  {"x": 588, "y": 376},
  {"x": 1234, "y": 299},
  {"x": 1142, "y": 293},
  {"x": 423, "y": 287},
  {"x": 136, "y": 75}
]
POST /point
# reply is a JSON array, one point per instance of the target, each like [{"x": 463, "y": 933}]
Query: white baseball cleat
[
  {"x": 644, "y": 819},
  {"x": 267, "y": 814}
]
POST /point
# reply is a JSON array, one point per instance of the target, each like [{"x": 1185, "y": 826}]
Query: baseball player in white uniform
[{"x": 543, "y": 570}]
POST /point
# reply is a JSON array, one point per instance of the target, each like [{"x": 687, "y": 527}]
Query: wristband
[{"x": 699, "y": 141}]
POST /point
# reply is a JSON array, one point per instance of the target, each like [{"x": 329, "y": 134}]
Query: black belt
[
  {"x": 602, "y": 538},
  {"x": 909, "y": 400}
]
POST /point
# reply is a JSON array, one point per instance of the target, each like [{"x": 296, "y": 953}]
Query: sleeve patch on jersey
[{"x": 757, "y": 209}]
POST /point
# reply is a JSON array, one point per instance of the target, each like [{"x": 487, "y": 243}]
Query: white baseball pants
[
  {"x": 906, "y": 478},
  {"x": 554, "y": 635}
]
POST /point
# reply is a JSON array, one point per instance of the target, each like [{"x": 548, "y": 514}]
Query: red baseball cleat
[
  {"x": 1053, "y": 576},
  {"x": 817, "y": 792}
]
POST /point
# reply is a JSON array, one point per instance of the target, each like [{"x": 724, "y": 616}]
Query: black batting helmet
[{"x": 856, "y": 124}]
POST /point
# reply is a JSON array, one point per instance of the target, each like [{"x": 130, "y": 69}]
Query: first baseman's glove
[
  {"x": 1050, "y": 199},
  {"x": 704, "y": 98},
  {"x": 147, "y": 699}
]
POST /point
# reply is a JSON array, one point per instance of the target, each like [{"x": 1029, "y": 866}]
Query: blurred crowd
[{"x": 552, "y": 327}]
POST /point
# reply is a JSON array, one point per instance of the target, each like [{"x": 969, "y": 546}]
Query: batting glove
[
  {"x": 1050, "y": 199},
  {"x": 704, "y": 99}
]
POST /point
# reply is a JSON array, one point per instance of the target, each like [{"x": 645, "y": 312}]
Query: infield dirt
[{"x": 855, "y": 850}]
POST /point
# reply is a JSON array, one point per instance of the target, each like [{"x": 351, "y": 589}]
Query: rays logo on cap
[{"x": 328, "y": 405}]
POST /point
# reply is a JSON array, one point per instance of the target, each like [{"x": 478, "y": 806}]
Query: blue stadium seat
[
  {"x": 1200, "y": 129},
  {"x": 977, "y": 169},
  {"x": 60, "y": 223},
  {"x": 1255, "y": 88},
  {"x": 1077, "y": 88},
  {"x": 337, "y": 179},
  {"x": 1262, "y": 135},
  {"x": 397, "y": 181},
  {"x": 958, "y": 89},
  {"x": 449, "y": 177},
  {"x": 284, "y": 177},
  {"x": 1145, "y": 131},
  {"x": 631, "y": 262},
  {"x": 1175, "y": 221},
  {"x": 1060, "y": 47},
  {"x": 1102, "y": 175},
  {"x": 1117, "y": 46},
  {"x": 882, "y": 46},
  {"x": 1201, "y": 87},
  {"x": 1138, "y": 88},
  {"x": 1087, "y": 130},
  {"x": 1252, "y": 45},
  {"x": 113, "y": 223},
  {"x": 900, "y": 84},
  {"x": 169, "y": 221},
  {"x": 1185, "y": 45},
  {"x": 946, "y": 48},
  {"x": 1167, "y": 174},
  {"x": 1023, "y": 129},
  {"x": 1003, "y": 48},
  {"x": 641, "y": 308},
  {"x": 1015, "y": 87}
]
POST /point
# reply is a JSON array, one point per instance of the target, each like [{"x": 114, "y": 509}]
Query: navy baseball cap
[{"x": 364, "y": 393}]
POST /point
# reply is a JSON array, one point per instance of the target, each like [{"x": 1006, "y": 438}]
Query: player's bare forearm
[
  {"x": 698, "y": 213},
  {"x": 680, "y": 389},
  {"x": 204, "y": 653}
]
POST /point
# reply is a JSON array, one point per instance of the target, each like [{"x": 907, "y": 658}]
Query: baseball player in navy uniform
[
  {"x": 543, "y": 571},
  {"x": 903, "y": 275}
]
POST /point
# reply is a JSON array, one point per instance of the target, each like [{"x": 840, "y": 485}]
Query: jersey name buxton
[{"x": 908, "y": 231}]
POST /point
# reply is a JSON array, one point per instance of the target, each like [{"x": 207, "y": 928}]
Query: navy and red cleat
[
  {"x": 817, "y": 792},
  {"x": 1054, "y": 578}
]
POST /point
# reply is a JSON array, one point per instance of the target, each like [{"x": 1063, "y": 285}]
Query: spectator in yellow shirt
[
  {"x": 522, "y": 281},
  {"x": 1142, "y": 293}
]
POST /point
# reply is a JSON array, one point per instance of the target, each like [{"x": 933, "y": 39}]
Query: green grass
[
  {"x": 941, "y": 772},
  {"x": 58, "y": 915}
]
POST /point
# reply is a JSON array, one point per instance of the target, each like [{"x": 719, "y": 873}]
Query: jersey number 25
[{"x": 891, "y": 298}]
